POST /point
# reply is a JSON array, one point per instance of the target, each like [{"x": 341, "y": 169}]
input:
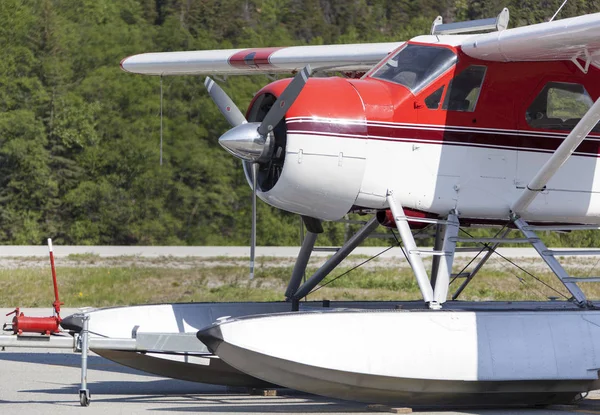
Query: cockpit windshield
[{"x": 416, "y": 66}]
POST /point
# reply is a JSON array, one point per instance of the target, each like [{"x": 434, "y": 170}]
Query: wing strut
[{"x": 560, "y": 156}]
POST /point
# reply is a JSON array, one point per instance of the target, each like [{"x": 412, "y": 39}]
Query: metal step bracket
[
  {"x": 563, "y": 228},
  {"x": 427, "y": 220},
  {"x": 572, "y": 252},
  {"x": 490, "y": 251},
  {"x": 495, "y": 240},
  {"x": 461, "y": 275},
  {"x": 425, "y": 252},
  {"x": 582, "y": 279}
]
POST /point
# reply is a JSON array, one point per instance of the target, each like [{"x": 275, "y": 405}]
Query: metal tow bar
[
  {"x": 82, "y": 342},
  {"x": 79, "y": 343}
]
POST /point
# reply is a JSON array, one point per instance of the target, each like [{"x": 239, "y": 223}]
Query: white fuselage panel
[{"x": 326, "y": 174}]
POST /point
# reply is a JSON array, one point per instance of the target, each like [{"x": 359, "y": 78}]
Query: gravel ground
[{"x": 93, "y": 259}]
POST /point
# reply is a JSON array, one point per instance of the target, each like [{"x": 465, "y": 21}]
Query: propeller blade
[
  {"x": 231, "y": 112},
  {"x": 285, "y": 101},
  {"x": 255, "y": 167}
]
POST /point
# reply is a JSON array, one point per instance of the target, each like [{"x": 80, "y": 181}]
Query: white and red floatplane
[{"x": 445, "y": 130}]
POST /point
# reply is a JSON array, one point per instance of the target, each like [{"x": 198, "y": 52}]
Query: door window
[
  {"x": 559, "y": 106},
  {"x": 463, "y": 91}
]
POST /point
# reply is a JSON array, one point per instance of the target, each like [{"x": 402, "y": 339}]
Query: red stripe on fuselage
[
  {"x": 498, "y": 139},
  {"x": 253, "y": 58}
]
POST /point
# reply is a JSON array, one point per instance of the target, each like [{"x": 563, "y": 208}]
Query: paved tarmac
[{"x": 35, "y": 381}]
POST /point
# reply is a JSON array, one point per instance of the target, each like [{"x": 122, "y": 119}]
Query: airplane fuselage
[{"x": 437, "y": 147}]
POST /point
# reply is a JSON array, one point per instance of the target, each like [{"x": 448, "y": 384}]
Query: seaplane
[{"x": 473, "y": 124}]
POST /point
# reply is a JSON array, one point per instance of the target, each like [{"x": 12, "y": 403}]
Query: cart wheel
[{"x": 84, "y": 398}]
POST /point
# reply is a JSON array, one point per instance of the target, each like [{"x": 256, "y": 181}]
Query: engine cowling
[{"x": 319, "y": 151}]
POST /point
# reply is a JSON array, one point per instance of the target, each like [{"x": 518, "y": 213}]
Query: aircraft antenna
[
  {"x": 161, "y": 118},
  {"x": 559, "y": 9}
]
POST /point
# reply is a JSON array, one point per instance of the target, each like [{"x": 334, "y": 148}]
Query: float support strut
[
  {"x": 437, "y": 246},
  {"x": 415, "y": 260},
  {"x": 338, "y": 257},
  {"x": 444, "y": 269},
  {"x": 301, "y": 262}
]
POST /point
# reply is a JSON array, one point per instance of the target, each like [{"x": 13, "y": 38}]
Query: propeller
[
  {"x": 284, "y": 101},
  {"x": 254, "y": 142},
  {"x": 224, "y": 103}
]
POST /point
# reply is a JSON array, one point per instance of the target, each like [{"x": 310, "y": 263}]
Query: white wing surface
[
  {"x": 576, "y": 38},
  {"x": 328, "y": 58}
]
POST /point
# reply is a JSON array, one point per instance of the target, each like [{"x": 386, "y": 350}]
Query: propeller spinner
[{"x": 254, "y": 142}]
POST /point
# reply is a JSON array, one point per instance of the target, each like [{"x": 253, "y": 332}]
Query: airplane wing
[
  {"x": 576, "y": 38},
  {"x": 324, "y": 58}
]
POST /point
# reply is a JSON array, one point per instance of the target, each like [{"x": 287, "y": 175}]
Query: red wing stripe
[{"x": 253, "y": 58}]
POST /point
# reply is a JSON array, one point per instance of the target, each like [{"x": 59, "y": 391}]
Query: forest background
[{"x": 79, "y": 138}]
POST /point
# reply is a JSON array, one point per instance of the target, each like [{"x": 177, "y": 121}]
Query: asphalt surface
[
  {"x": 34, "y": 381},
  {"x": 47, "y": 381}
]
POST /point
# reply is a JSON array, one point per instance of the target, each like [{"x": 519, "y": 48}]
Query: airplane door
[
  {"x": 547, "y": 116},
  {"x": 472, "y": 163},
  {"x": 442, "y": 164}
]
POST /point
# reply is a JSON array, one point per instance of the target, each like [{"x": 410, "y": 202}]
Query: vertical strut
[
  {"x": 437, "y": 246},
  {"x": 84, "y": 392},
  {"x": 442, "y": 279},
  {"x": 254, "y": 168},
  {"x": 408, "y": 240}
]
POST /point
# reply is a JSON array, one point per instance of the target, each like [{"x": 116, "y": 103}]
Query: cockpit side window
[
  {"x": 463, "y": 91},
  {"x": 416, "y": 66},
  {"x": 559, "y": 106},
  {"x": 433, "y": 100}
]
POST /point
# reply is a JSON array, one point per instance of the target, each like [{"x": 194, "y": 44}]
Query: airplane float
[{"x": 446, "y": 130}]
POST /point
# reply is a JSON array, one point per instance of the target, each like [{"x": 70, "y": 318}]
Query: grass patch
[{"x": 102, "y": 285}]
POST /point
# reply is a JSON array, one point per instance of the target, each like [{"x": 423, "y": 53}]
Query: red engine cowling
[{"x": 319, "y": 150}]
